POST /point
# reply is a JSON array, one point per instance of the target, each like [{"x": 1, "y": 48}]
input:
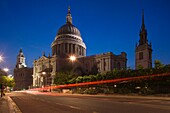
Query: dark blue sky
[{"x": 105, "y": 25}]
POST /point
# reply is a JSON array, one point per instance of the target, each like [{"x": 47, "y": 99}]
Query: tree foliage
[
  {"x": 7, "y": 81},
  {"x": 71, "y": 76},
  {"x": 142, "y": 86},
  {"x": 158, "y": 64}
]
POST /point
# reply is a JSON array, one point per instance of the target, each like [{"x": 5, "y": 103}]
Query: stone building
[
  {"x": 143, "y": 51},
  {"x": 68, "y": 42},
  {"x": 22, "y": 73}
]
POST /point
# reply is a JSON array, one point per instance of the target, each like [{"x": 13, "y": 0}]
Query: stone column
[
  {"x": 101, "y": 64},
  {"x": 110, "y": 64},
  {"x": 37, "y": 81},
  {"x": 80, "y": 50},
  {"x": 84, "y": 51}
]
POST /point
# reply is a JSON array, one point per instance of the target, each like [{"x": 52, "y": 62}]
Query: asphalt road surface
[{"x": 39, "y": 102}]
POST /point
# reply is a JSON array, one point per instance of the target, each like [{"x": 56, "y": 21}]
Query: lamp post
[
  {"x": 1, "y": 85},
  {"x": 44, "y": 75}
]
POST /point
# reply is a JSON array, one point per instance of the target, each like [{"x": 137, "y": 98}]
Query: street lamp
[
  {"x": 44, "y": 81},
  {"x": 1, "y": 58},
  {"x": 72, "y": 58},
  {"x": 6, "y": 69},
  {"x": 43, "y": 73},
  {"x": 10, "y": 76}
]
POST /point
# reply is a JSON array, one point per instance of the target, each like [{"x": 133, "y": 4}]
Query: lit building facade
[{"x": 68, "y": 41}]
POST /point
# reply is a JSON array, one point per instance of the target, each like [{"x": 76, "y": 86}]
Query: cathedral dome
[
  {"x": 68, "y": 40},
  {"x": 68, "y": 28}
]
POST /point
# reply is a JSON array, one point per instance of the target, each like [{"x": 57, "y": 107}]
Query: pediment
[{"x": 43, "y": 58}]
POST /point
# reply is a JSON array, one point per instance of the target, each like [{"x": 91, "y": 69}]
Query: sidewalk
[{"x": 4, "y": 108}]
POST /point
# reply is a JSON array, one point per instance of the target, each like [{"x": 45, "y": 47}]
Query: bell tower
[
  {"x": 20, "y": 60},
  {"x": 143, "y": 51}
]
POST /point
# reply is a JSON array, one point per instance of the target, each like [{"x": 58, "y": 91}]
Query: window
[
  {"x": 69, "y": 48},
  {"x": 66, "y": 47},
  {"x": 118, "y": 66},
  {"x": 104, "y": 66},
  {"x": 74, "y": 48},
  {"x": 140, "y": 55}
]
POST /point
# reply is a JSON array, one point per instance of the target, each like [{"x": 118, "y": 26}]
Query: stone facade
[
  {"x": 103, "y": 62},
  {"x": 42, "y": 71},
  {"x": 143, "y": 51},
  {"x": 68, "y": 42},
  {"x": 22, "y": 73}
]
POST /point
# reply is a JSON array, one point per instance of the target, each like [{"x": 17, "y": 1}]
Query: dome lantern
[{"x": 68, "y": 17}]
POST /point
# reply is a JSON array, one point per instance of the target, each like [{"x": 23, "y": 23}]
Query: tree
[
  {"x": 139, "y": 67},
  {"x": 94, "y": 70},
  {"x": 61, "y": 78},
  {"x": 7, "y": 81},
  {"x": 158, "y": 64}
]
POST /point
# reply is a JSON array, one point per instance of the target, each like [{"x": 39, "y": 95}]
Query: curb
[{"x": 13, "y": 108}]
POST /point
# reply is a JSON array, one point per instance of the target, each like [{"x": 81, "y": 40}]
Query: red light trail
[{"x": 102, "y": 82}]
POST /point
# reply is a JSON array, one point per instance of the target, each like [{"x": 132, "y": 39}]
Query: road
[{"x": 39, "y": 102}]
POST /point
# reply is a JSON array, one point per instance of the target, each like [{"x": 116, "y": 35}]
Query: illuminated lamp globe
[
  {"x": 6, "y": 69},
  {"x": 1, "y": 58},
  {"x": 72, "y": 58}
]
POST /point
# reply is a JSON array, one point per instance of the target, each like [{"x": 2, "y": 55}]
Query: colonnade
[{"x": 69, "y": 48}]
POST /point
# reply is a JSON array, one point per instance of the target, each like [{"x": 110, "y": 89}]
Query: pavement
[
  {"x": 7, "y": 105},
  {"x": 4, "y": 108}
]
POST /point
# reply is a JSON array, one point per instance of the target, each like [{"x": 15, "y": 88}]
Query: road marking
[
  {"x": 73, "y": 107},
  {"x": 148, "y": 105}
]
